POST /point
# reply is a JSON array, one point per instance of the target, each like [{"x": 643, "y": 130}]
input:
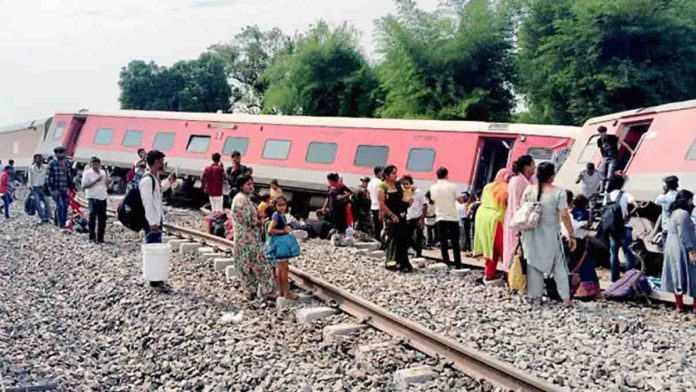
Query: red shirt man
[{"x": 213, "y": 177}]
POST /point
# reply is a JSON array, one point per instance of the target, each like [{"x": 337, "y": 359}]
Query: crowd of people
[{"x": 393, "y": 208}]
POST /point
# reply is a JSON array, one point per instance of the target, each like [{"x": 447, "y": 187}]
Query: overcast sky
[{"x": 66, "y": 54}]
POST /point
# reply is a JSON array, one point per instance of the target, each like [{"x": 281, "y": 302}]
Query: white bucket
[{"x": 155, "y": 262}]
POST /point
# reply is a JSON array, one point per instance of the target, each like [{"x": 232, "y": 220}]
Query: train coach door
[
  {"x": 493, "y": 154},
  {"x": 74, "y": 131},
  {"x": 630, "y": 143}
]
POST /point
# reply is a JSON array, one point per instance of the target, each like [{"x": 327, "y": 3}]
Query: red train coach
[{"x": 300, "y": 151}]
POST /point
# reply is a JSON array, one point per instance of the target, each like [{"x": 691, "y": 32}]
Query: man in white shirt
[
  {"x": 374, "y": 205},
  {"x": 444, "y": 194},
  {"x": 37, "y": 181},
  {"x": 95, "y": 182},
  {"x": 415, "y": 215},
  {"x": 591, "y": 180},
  {"x": 627, "y": 203}
]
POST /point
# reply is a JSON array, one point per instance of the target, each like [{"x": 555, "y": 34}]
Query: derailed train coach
[
  {"x": 654, "y": 142},
  {"x": 300, "y": 151},
  {"x": 19, "y": 142}
]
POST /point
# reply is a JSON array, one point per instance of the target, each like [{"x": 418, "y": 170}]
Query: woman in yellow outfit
[{"x": 488, "y": 237}]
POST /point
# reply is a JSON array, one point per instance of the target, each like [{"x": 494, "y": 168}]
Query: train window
[
  {"x": 58, "y": 131},
  {"x": 591, "y": 149},
  {"x": 103, "y": 136},
  {"x": 164, "y": 141},
  {"x": 540, "y": 154},
  {"x": 691, "y": 154},
  {"x": 321, "y": 152},
  {"x": 276, "y": 149},
  {"x": 371, "y": 156},
  {"x": 421, "y": 159},
  {"x": 235, "y": 144},
  {"x": 132, "y": 138},
  {"x": 198, "y": 144}
]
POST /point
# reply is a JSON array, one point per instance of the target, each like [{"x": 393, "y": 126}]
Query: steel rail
[{"x": 473, "y": 363}]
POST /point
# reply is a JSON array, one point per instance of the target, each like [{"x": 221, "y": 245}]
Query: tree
[
  {"x": 194, "y": 86},
  {"x": 246, "y": 57},
  {"x": 326, "y": 75},
  {"x": 580, "y": 59},
  {"x": 454, "y": 63}
]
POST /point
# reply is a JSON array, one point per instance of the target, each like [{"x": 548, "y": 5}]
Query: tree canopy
[
  {"x": 580, "y": 59},
  {"x": 194, "y": 86},
  {"x": 325, "y": 75},
  {"x": 455, "y": 63}
]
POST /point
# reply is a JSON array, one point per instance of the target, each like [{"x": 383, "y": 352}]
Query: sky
[{"x": 65, "y": 55}]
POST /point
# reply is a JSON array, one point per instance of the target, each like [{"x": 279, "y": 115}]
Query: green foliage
[
  {"x": 580, "y": 59},
  {"x": 326, "y": 75},
  {"x": 246, "y": 57},
  {"x": 455, "y": 63},
  {"x": 192, "y": 86}
]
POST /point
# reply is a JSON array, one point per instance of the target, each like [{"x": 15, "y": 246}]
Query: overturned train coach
[
  {"x": 19, "y": 142},
  {"x": 654, "y": 142},
  {"x": 300, "y": 151}
]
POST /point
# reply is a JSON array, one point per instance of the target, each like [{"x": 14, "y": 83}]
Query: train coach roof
[
  {"x": 345, "y": 122},
  {"x": 668, "y": 107},
  {"x": 22, "y": 126}
]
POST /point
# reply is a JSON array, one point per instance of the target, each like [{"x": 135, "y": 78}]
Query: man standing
[
  {"x": 212, "y": 179},
  {"x": 11, "y": 170},
  {"x": 37, "y": 184},
  {"x": 151, "y": 190},
  {"x": 622, "y": 234},
  {"x": 372, "y": 187},
  {"x": 96, "y": 182},
  {"x": 609, "y": 148},
  {"x": 415, "y": 215},
  {"x": 6, "y": 191},
  {"x": 669, "y": 194},
  {"x": 234, "y": 172},
  {"x": 444, "y": 194},
  {"x": 591, "y": 180},
  {"x": 60, "y": 183}
]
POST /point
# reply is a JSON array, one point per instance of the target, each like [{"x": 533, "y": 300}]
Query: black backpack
[
  {"x": 130, "y": 211},
  {"x": 612, "y": 223}
]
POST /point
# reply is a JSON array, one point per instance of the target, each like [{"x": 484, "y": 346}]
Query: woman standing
[
  {"x": 393, "y": 208},
  {"x": 248, "y": 245},
  {"x": 679, "y": 268},
  {"x": 543, "y": 246},
  {"x": 523, "y": 170},
  {"x": 488, "y": 237}
]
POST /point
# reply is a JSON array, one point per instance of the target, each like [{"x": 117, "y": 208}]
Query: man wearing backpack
[{"x": 614, "y": 225}]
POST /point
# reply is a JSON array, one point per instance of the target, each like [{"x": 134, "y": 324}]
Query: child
[
  {"x": 279, "y": 227},
  {"x": 430, "y": 232}
]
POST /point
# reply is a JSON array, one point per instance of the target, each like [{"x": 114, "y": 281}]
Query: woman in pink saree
[{"x": 523, "y": 169}]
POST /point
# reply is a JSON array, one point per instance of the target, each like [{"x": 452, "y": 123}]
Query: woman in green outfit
[
  {"x": 248, "y": 244},
  {"x": 393, "y": 209}
]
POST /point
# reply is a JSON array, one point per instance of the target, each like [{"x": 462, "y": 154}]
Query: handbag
[
  {"x": 282, "y": 247},
  {"x": 517, "y": 275},
  {"x": 527, "y": 216}
]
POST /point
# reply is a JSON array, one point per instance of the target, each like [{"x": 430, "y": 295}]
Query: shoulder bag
[{"x": 528, "y": 215}]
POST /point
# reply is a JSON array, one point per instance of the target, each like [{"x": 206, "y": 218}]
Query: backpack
[
  {"x": 30, "y": 205},
  {"x": 612, "y": 222},
  {"x": 632, "y": 285},
  {"x": 216, "y": 223},
  {"x": 130, "y": 211}
]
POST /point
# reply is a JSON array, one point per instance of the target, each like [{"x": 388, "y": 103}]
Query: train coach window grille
[
  {"x": 58, "y": 131},
  {"x": 590, "y": 151},
  {"x": 540, "y": 154},
  {"x": 132, "y": 138},
  {"x": 164, "y": 141},
  {"x": 103, "y": 136},
  {"x": 235, "y": 144},
  {"x": 198, "y": 144},
  {"x": 321, "y": 152},
  {"x": 371, "y": 156},
  {"x": 691, "y": 154},
  {"x": 420, "y": 159},
  {"x": 276, "y": 149}
]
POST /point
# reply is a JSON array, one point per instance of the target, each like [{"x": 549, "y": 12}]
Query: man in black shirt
[
  {"x": 234, "y": 171},
  {"x": 609, "y": 147}
]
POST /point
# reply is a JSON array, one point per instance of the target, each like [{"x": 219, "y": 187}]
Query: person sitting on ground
[
  {"x": 279, "y": 227},
  {"x": 542, "y": 245},
  {"x": 679, "y": 268},
  {"x": 276, "y": 190},
  {"x": 582, "y": 258},
  {"x": 488, "y": 238}
]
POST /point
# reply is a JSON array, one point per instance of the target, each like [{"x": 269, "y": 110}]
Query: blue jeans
[
  {"x": 6, "y": 200},
  {"x": 43, "y": 205},
  {"x": 62, "y": 208},
  {"x": 614, "y": 253},
  {"x": 150, "y": 237}
]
